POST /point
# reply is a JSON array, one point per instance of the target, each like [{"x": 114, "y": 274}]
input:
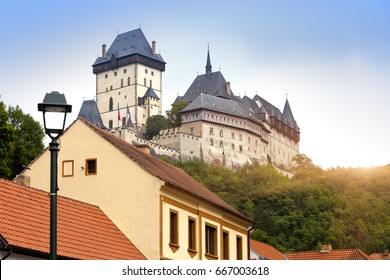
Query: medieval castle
[{"x": 218, "y": 127}]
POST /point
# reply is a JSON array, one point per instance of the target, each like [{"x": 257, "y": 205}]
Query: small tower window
[{"x": 110, "y": 104}]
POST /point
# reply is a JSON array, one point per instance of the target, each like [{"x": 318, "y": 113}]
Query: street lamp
[{"x": 54, "y": 102}]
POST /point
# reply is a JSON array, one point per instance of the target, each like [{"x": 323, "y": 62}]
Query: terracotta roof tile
[
  {"x": 341, "y": 254},
  {"x": 266, "y": 250},
  {"x": 83, "y": 230},
  {"x": 168, "y": 173}
]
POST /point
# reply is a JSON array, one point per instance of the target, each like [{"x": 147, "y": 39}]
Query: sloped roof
[
  {"x": 83, "y": 230},
  {"x": 265, "y": 250},
  {"x": 129, "y": 43},
  {"x": 166, "y": 172},
  {"x": 151, "y": 93},
  {"x": 217, "y": 104},
  {"x": 212, "y": 84},
  {"x": 341, "y": 254},
  {"x": 89, "y": 111}
]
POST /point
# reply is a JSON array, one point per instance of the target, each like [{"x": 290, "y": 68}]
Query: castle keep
[{"x": 218, "y": 127}]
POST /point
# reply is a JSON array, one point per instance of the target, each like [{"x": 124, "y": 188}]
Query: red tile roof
[
  {"x": 168, "y": 173},
  {"x": 83, "y": 230},
  {"x": 265, "y": 250},
  {"x": 341, "y": 254}
]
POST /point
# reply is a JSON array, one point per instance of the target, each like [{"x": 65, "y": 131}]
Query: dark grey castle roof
[
  {"x": 90, "y": 112},
  {"x": 212, "y": 84},
  {"x": 129, "y": 43},
  {"x": 151, "y": 93},
  {"x": 222, "y": 105}
]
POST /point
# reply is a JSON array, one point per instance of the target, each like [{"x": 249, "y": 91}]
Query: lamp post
[{"x": 54, "y": 102}]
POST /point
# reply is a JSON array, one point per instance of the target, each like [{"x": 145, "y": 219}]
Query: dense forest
[{"x": 344, "y": 207}]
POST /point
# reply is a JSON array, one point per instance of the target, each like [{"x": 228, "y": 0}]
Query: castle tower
[{"x": 129, "y": 79}]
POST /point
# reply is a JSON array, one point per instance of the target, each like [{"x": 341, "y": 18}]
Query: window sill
[{"x": 211, "y": 257}]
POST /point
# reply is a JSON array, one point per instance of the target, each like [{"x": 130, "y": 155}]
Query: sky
[{"x": 330, "y": 58}]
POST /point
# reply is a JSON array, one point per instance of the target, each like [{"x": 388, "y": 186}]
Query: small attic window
[{"x": 91, "y": 166}]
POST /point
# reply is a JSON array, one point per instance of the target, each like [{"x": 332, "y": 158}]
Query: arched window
[{"x": 111, "y": 104}]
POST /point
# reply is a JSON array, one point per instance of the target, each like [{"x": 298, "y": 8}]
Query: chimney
[
  {"x": 326, "y": 248},
  {"x": 228, "y": 88},
  {"x": 22, "y": 179},
  {"x": 153, "y": 47},
  {"x": 104, "y": 54}
]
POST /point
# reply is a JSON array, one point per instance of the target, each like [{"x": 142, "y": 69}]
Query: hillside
[{"x": 344, "y": 207}]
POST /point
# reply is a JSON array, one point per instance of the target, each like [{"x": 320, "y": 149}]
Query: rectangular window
[
  {"x": 123, "y": 121},
  {"x": 239, "y": 247},
  {"x": 225, "y": 245},
  {"x": 192, "y": 234},
  {"x": 110, "y": 124},
  {"x": 173, "y": 228},
  {"x": 211, "y": 142},
  {"x": 67, "y": 168},
  {"x": 221, "y": 133},
  {"x": 152, "y": 73},
  {"x": 211, "y": 131},
  {"x": 124, "y": 71},
  {"x": 232, "y": 135},
  {"x": 220, "y": 144},
  {"x": 145, "y": 82},
  {"x": 211, "y": 240},
  {"x": 115, "y": 73},
  {"x": 233, "y": 147},
  {"x": 150, "y": 84},
  {"x": 106, "y": 76},
  {"x": 128, "y": 81},
  {"x": 91, "y": 166},
  {"x": 121, "y": 82}
]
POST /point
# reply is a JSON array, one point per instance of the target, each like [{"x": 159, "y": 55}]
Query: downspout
[{"x": 248, "y": 241}]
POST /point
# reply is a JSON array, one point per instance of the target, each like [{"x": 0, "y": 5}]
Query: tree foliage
[
  {"x": 347, "y": 208},
  {"x": 155, "y": 124},
  {"x": 20, "y": 142}
]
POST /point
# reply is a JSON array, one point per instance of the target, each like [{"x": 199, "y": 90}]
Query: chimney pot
[
  {"x": 104, "y": 54},
  {"x": 153, "y": 47},
  {"x": 22, "y": 179}
]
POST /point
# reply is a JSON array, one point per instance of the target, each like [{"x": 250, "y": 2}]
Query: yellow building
[{"x": 164, "y": 211}]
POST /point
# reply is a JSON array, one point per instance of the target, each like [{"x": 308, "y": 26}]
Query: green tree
[
  {"x": 7, "y": 134},
  {"x": 28, "y": 141},
  {"x": 154, "y": 124},
  {"x": 173, "y": 114}
]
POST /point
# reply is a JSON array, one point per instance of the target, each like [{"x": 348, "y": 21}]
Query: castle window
[
  {"x": 240, "y": 147},
  {"x": 128, "y": 81},
  {"x": 123, "y": 121},
  {"x": 220, "y": 144},
  {"x": 150, "y": 83},
  {"x": 240, "y": 137},
  {"x": 124, "y": 71},
  {"x": 106, "y": 76},
  {"x": 110, "y": 87},
  {"x": 192, "y": 130},
  {"x": 211, "y": 142},
  {"x": 110, "y": 125},
  {"x": 121, "y": 82},
  {"x": 115, "y": 73},
  {"x": 221, "y": 133},
  {"x": 91, "y": 166},
  {"x": 146, "y": 71},
  {"x": 233, "y": 147},
  {"x": 233, "y": 135},
  {"x": 145, "y": 82},
  {"x": 110, "y": 104},
  {"x": 152, "y": 73},
  {"x": 211, "y": 131}
]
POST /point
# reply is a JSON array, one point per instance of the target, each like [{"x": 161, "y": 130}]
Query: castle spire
[{"x": 208, "y": 64}]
